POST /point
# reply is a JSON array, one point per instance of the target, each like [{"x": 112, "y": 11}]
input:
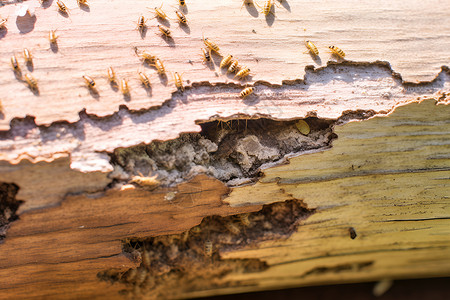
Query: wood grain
[{"x": 414, "y": 38}]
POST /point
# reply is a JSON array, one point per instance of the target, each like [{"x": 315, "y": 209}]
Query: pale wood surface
[{"x": 413, "y": 37}]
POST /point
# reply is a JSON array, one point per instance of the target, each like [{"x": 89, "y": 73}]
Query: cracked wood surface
[
  {"x": 387, "y": 178},
  {"x": 414, "y": 38}
]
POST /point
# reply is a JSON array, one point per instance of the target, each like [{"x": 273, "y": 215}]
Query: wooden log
[{"x": 242, "y": 200}]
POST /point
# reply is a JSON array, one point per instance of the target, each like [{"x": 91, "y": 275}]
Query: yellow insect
[
  {"x": 178, "y": 81},
  {"x": 3, "y": 22},
  {"x": 208, "y": 248},
  {"x": 244, "y": 218},
  {"x": 164, "y": 30},
  {"x": 312, "y": 48},
  {"x": 62, "y": 7},
  {"x": 52, "y": 37},
  {"x": 267, "y": 8},
  {"x": 15, "y": 65},
  {"x": 89, "y": 81},
  {"x": 337, "y": 51},
  {"x": 82, "y": 3},
  {"x": 112, "y": 76},
  {"x": 31, "y": 81},
  {"x": 144, "y": 79},
  {"x": 246, "y": 92},
  {"x": 147, "y": 57},
  {"x": 211, "y": 45},
  {"x": 182, "y": 2},
  {"x": 146, "y": 260},
  {"x": 124, "y": 87},
  {"x": 1, "y": 107},
  {"x": 141, "y": 275},
  {"x": 141, "y": 23},
  {"x": 233, "y": 228},
  {"x": 28, "y": 57},
  {"x": 303, "y": 127},
  {"x": 244, "y": 72},
  {"x": 226, "y": 61},
  {"x": 159, "y": 66},
  {"x": 181, "y": 17},
  {"x": 159, "y": 13},
  {"x": 206, "y": 56},
  {"x": 234, "y": 66}
]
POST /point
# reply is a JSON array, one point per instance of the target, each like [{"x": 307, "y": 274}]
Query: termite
[
  {"x": 146, "y": 260},
  {"x": 1, "y": 107},
  {"x": 52, "y": 37},
  {"x": 141, "y": 24},
  {"x": 130, "y": 275},
  {"x": 15, "y": 65},
  {"x": 208, "y": 248},
  {"x": 178, "y": 81},
  {"x": 89, "y": 81},
  {"x": 82, "y": 3},
  {"x": 164, "y": 30},
  {"x": 233, "y": 228},
  {"x": 312, "y": 48},
  {"x": 144, "y": 80},
  {"x": 159, "y": 67},
  {"x": 28, "y": 57},
  {"x": 211, "y": 45},
  {"x": 3, "y": 22},
  {"x": 244, "y": 218},
  {"x": 124, "y": 87},
  {"x": 182, "y": 2},
  {"x": 244, "y": 72},
  {"x": 159, "y": 13},
  {"x": 267, "y": 8},
  {"x": 246, "y": 92},
  {"x": 62, "y": 7},
  {"x": 31, "y": 81},
  {"x": 151, "y": 182},
  {"x": 147, "y": 57},
  {"x": 112, "y": 76},
  {"x": 206, "y": 56},
  {"x": 226, "y": 61},
  {"x": 141, "y": 275},
  {"x": 234, "y": 66},
  {"x": 181, "y": 17},
  {"x": 337, "y": 51}
]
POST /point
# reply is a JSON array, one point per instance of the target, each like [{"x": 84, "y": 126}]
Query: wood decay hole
[
  {"x": 173, "y": 264},
  {"x": 231, "y": 151},
  {"x": 8, "y": 206},
  {"x": 357, "y": 266}
]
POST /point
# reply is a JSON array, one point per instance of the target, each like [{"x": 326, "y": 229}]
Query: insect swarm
[
  {"x": 226, "y": 61},
  {"x": 312, "y": 48},
  {"x": 246, "y": 92},
  {"x": 32, "y": 83},
  {"x": 337, "y": 51}
]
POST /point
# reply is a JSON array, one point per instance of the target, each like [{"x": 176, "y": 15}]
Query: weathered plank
[{"x": 413, "y": 38}]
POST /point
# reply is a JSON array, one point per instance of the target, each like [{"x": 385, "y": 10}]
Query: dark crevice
[
  {"x": 170, "y": 265},
  {"x": 8, "y": 206},
  {"x": 232, "y": 151}
]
